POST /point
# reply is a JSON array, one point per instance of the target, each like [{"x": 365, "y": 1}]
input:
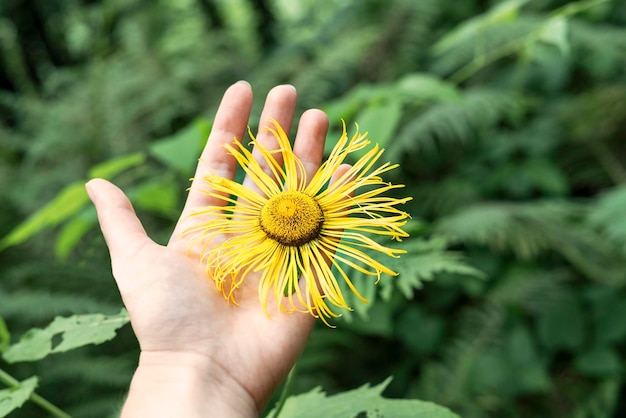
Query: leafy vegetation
[{"x": 506, "y": 117}]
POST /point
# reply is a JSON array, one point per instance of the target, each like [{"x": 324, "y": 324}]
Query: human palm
[{"x": 174, "y": 306}]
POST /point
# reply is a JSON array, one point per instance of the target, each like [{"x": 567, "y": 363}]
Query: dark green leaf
[{"x": 599, "y": 362}]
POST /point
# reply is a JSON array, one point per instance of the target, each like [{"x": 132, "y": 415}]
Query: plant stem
[
  {"x": 285, "y": 391},
  {"x": 35, "y": 398}
]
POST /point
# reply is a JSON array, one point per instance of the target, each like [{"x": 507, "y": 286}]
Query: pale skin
[{"x": 200, "y": 355}]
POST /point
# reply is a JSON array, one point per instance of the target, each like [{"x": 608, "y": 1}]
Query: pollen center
[{"x": 292, "y": 218}]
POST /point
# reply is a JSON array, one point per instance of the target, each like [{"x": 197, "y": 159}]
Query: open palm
[{"x": 175, "y": 309}]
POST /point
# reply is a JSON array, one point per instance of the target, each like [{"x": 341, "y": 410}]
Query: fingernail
[{"x": 89, "y": 190}]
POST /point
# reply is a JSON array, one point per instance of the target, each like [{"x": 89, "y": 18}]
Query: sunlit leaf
[
  {"x": 70, "y": 234},
  {"x": 111, "y": 168},
  {"x": 5, "y": 336},
  {"x": 14, "y": 397},
  {"x": 67, "y": 203},
  {"x": 364, "y": 400},
  {"x": 75, "y": 331}
]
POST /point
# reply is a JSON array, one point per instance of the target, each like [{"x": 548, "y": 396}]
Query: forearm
[{"x": 188, "y": 387}]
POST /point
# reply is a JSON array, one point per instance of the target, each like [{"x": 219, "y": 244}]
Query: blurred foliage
[{"x": 506, "y": 117}]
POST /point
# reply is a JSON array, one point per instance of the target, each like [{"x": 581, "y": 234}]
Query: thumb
[{"x": 121, "y": 228}]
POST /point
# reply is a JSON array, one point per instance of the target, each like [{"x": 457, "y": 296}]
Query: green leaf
[
  {"x": 160, "y": 195},
  {"x": 426, "y": 259},
  {"x": 113, "y": 167},
  {"x": 554, "y": 32},
  {"x": 349, "y": 104},
  {"x": 562, "y": 326},
  {"x": 420, "y": 87},
  {"x": 14, "y": 397},
  {"x": 419, "y": 331},
  {"x": 69, "y": 201},
  {"x": 531, "y": 375},
  {"x": 181, "y": 151},
  {"x": 502, "y": 12},
  {"x": 71, "y": 233},
  {"x": 609, "y": 324},
  {"x": 607, "y": 215},
  {"x": 75, "y": 331},
  {"x": 380, "y": 121},
  {"x": 599, "y": 362},
  {"x": 5, "y": 336},
  {"x": 35, "y": 344},
  {"x": 353, "y": 403}
]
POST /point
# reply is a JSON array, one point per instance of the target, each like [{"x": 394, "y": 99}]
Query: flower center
[{"x": 291, "y": 218}]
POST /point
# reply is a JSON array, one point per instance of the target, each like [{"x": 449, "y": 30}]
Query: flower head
[{"x": 297, "y": 229}]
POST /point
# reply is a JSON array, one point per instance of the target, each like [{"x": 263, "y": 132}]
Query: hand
[{"x": 200, "y": 355}]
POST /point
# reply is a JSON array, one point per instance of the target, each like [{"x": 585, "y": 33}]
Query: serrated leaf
[
  {"x": 35, "y": 344},
  {"x": 424, "y": 267},
  {"x": 75, "y": 331},
  {"x": 14, "y": 397},
  {"x": 365, "y": 399},
  {"x": 424, "y": 259}
]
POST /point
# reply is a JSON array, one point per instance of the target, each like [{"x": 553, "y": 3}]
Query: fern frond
[
  {"x": 607, "y": 214},
  {"x": 424, "y": 260},
  {"x": 505, "y": 226},
  {"x": 448, "y": 381},
  {"x": 528, "y": 229},
  {"x": 531, "y": 289},
  {"x": 476, "y": 44},
  {"x": 458, "y": 122},
  {"x": 598, "y": 48}
]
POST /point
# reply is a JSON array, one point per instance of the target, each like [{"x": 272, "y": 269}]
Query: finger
[
  {"x": 280, "y": 106},
  {"x": 120, "y": 226},
  {"x": 310, "y": 139},
  {"x": 230, "y": 122}
]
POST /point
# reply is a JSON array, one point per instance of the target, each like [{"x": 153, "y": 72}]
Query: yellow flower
[{"x": 297, "y": 226}]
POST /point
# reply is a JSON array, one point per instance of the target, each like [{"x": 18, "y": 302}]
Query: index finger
[{"x": 230, "y": 122}]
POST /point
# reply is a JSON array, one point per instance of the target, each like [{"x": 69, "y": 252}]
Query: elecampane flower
[{"x": 298, "y": 227}]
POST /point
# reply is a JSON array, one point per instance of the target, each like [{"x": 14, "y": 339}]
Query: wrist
[{"x": 185, "y": 384}]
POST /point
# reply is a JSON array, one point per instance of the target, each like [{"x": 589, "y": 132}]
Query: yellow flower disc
[
  {"x": 300, "y": 230},
  {"x": 292, "y": 218}
]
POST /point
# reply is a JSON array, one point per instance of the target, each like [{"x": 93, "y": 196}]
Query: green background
[{"x": 508, "y": 120}]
